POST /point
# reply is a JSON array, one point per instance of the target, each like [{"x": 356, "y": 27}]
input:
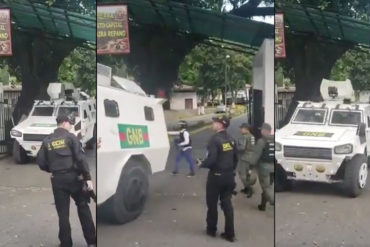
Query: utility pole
[{"x": 227, "y": 56}]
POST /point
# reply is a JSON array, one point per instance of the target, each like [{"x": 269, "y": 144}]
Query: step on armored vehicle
[
  {"x": 326, "y": 141},
  {"x": 30, "y": 132},
  {"x": 134, "y": 144}
]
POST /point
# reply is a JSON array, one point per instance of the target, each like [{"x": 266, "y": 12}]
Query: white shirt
[{"x": 186, "y": 140}]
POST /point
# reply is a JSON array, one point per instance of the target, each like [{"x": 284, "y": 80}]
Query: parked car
[{"x": 221, "y": 108}]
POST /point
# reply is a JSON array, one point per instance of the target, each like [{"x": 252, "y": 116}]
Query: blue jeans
[{"x": 188, "y": 156}]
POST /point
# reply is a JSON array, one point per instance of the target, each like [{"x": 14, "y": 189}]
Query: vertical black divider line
[
  {"x": 96, "y": 121},
  {"x": 275, "y": 94}
]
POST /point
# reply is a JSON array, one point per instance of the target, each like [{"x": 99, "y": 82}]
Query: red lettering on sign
[
  {"x": 145, "y": 137},
  {"x": 122, "y": 137}
]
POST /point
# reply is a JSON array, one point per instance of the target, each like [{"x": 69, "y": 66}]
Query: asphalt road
[
  {"x": 314, "y": 214},
  {"x": 175, "y": 212},
  {"x": 28, "y": 216}
]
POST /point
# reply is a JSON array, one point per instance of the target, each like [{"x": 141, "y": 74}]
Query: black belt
[
  {"x": 63, "y": 171},
  {"x": 221, "y": 173}
]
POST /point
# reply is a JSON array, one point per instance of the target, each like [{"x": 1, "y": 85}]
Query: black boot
[
  {"x": 262, "y": 206},
  {"x": 228, "y": 238},
  {"x": 250, "y": 192}
]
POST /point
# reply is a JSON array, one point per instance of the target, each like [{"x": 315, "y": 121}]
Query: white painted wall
[
  {"x": 177, "y": 100},
  {"x": 263, "y": 77}
]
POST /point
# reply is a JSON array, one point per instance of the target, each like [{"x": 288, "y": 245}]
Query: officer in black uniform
[
  {"x": 62, "y": 155},
  {"x": 221, "y": 160}
]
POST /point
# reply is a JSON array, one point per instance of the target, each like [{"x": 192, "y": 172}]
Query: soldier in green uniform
[
  {"x": 246, "y": 170},
  {"x": 263, "y": 158}
]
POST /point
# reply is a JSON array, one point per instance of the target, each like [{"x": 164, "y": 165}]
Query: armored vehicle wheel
[
  {"x": 131, "y": 195},
  {"x": 355, "y": 176},
  {"x": 19, "y": 154},
  {"x": 281, "y": 181}
]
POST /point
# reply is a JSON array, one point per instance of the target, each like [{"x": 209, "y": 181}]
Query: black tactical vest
[
  {"x": 58, "y": 152},
  {"x": 182, "y": 139},
  {"x": 226, "y": 144},
  {"x": 268, "y": 154}
]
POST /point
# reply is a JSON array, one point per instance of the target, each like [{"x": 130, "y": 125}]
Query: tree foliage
[
  {"x": 79, "y": 68},
  {"x": 205, "y": 68},
  {"x": 354, "y": 65}
]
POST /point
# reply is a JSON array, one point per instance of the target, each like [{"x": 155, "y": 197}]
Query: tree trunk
[
  {"x": 38, "y": 60},
  {"x": 311, "y": 61},
  {"x": 156, "y": 56}
]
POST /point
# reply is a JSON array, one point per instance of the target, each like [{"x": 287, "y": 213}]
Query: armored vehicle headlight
[
  {"x": 16, "y": 133},
  {"x": 277, "y": 147},
  {"x": 343, "y": 149}
]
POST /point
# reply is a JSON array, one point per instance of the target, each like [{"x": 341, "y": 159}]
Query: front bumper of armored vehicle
[
  {"x": 310, "y": 163},
  {"x": 30, "y": 142}
]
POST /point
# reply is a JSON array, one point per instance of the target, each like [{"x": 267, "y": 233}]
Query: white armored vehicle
[
  {"x": 134, "y": 144},
  {"x": 29, "y": 133},
  {"x": 326, "y": 141}
]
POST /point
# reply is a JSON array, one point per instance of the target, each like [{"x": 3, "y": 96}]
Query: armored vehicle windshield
[
  {"x": 310, "y": 116},
  {"x": 340, "y": 117},
  {"x": 43, "y": 111}
]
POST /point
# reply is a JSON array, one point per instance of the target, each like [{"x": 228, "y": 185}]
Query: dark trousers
[
  {"x": 187, "y": 154},
  {"x": 66, "y": 186},
  {"x": 220, "y": 187}
]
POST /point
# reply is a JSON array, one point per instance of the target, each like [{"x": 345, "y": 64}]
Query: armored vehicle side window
[
  {"x": 68, "y": 110},
  {"x": 368, "y": 121},
  {"x": 310, "y": 116},
  {"x": 43, "y": 111},
  {"x": 111, "y": 108},
  {"x": 90, "y": 107},
  {"x": 346, "y": 118},
  {"x": 149, "y": 114},
  {"x": 85, "y": 114}
]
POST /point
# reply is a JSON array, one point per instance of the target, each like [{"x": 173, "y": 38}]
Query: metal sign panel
[
  {"x": 112, "y": 29},
  {"x": 5, "y": 33},
  {"x": 133, "y": 136},
  {"x": 279, "y": 36}
]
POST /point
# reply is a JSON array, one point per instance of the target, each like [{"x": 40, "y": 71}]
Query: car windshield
[
  {"x": 68, "y": 111},
  {"x": 43, "y": 111},
  {"x": 310, "y": 116},
  {"x": 346, "y": 118}
]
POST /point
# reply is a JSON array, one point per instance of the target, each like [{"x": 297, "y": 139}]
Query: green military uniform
[
  {"x": 247, "y": 173},
  {"x": 264, "y": 159}
]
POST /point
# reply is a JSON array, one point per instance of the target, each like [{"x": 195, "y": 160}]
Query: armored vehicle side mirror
[{"x": 361, "y": 130}]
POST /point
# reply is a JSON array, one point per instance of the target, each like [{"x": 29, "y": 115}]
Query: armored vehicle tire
[
  {"x": 355, "y": 175},
  {"x": 131, "y": 195},
  {"x": 19, "y": 154},
  {"x": 281, "y": 181}
]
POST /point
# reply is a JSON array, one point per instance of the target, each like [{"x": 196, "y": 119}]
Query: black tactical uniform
[
  {"x": 62, "y": 155},
  {"x": 221, "y": 161}
]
